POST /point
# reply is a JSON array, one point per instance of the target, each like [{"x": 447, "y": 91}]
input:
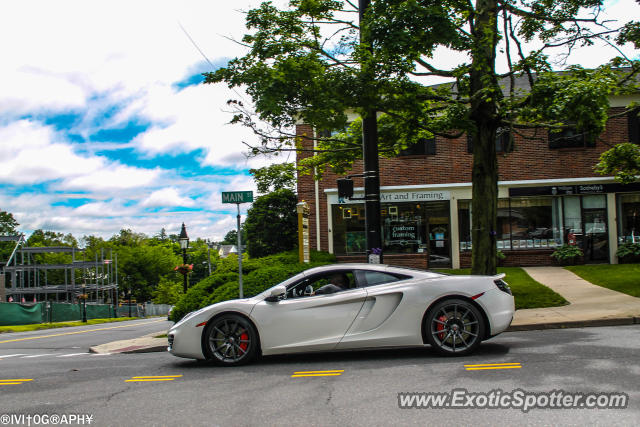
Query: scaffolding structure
[{"x": 95, "y": 280}]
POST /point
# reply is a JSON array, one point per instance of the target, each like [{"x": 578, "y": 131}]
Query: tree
[
  {"x": 275, "y": 177},
  {"x": 8, "y": 225},
  {"x": 305, "y": 64},
  {"x": 231, "y": 238},
  {"x": 622, "y": 161},
  {"x": 167, "y": 292},
  {"x": 272, "y": 224}
]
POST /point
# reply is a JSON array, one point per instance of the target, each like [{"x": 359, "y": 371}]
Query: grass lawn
[
  {"x": 623, "y": 278},
  {"x": 527, "y": 292},
  {"x": 38, "y": 326}
]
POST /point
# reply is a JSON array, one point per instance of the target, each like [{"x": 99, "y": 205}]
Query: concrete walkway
[{"x": 589, "y": 304}]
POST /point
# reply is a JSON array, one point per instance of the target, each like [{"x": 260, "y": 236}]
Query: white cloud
[
  {"x": 167, "y": 197},
  {"x": 32, "y": 153}
]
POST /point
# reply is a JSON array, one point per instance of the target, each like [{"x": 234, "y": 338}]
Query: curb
[{"x": 618, "y": 321}]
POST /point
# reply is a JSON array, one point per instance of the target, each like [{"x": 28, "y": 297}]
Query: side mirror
[{"x": 276, "y": 294}]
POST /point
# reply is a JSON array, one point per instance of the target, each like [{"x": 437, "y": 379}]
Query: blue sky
[{"x": 104, "y": 124}]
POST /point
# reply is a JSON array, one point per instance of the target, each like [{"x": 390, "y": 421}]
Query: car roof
[{"x": 370, "y": 267}]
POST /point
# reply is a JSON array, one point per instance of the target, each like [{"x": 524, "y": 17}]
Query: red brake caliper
[
  {"x": 244, "y": 337},
  {"x": 440, "y": 327}
]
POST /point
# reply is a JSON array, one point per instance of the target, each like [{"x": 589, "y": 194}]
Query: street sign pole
[
  {"x": 238, "y": 197},
  {"x": 239, "y": 255}
]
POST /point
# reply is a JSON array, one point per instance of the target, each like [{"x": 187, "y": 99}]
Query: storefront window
[
  {"x": 522, "y": 223},
  {"x": 407, "y": 227},
  {"x": 348, "y": 229},
  {"x": 629, "y": 218}
]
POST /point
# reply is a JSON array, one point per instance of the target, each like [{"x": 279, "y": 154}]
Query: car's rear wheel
[
  {"x": 454, "y": 327},
  {"x": 230, "y": 340}
]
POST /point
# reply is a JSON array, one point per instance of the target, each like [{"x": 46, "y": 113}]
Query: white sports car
[{"x": 349, "y": 306}]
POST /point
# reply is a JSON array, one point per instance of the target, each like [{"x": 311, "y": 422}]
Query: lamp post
[
  {"x": 84, "y": 303},
  {"x": 184, "y": 244}
]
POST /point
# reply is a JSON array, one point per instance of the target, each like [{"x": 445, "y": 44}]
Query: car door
[
  {"x": 390, "y": 315},
  {"x": 306, "y": 322}
]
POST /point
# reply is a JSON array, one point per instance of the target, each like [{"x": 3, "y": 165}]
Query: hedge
[{"x": 258, "y": 274}]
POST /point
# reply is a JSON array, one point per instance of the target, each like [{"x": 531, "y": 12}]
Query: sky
[{"x": 104, "y": 122}]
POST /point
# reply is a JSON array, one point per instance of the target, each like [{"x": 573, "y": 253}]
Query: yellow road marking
[
  {"x": 17, "y": 379},
  {"x": 10, "y": 383},
  {"x": 160, "y": 376},
  {"x": 149, "y": 379},
  {"x": 315, "y": 375},
  {"x": 493, "y": 364},
  {"x": 318, "y": 372},
  {"x": 78, "y": 332},
  {"x": 493, "y": 367}
]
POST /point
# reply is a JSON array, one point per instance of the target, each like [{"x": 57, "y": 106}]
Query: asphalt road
[
  {"x": 364, "y": 393},
  {"x": 78, "y": 338}
]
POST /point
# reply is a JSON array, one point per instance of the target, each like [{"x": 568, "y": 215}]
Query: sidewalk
[{"x": 589, "y": 305}]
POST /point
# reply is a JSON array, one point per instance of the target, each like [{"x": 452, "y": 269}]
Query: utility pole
[{"x": 371, "y": 173}]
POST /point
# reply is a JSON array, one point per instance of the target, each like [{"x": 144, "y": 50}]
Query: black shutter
[
  {"x": 469, "y": 144},
  {"x": 634, "y": 125},
  {"x": 430, "y": 146},
  {"x": 554, "y": 139}
]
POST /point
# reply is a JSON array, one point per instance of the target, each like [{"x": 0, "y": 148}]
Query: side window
[
  {"x": 372, "y": 278},
  {"x": 304, "y": 288}
]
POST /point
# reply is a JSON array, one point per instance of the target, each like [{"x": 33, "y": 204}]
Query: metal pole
[
  {"x": 184, "y": 275},
  {"x": 239, "y": 255},
  {"x": 371, "y": 167},
  {"x": 115, "y": 261},
  {"x": 209, "y": 257}
]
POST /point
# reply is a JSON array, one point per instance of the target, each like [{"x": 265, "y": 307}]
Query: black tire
[
  {"x": 454, "y": 327},
  {"x": 230, "y": 340}
]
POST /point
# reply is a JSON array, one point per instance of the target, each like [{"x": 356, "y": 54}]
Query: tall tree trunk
[{"x": 485, "y": 93}]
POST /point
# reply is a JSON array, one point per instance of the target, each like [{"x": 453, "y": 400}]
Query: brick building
[{"x": 548, "y": 195}]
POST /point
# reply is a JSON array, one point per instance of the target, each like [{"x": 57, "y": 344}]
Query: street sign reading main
[{"x": 237, "y": 196}]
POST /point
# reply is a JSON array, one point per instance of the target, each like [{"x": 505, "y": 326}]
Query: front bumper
[{"x": 186, "y": 341}]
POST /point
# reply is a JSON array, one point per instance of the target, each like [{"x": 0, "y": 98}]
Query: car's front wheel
[
  {"x": 454, "y": 327},
  {"x": 230, "y": 340}
]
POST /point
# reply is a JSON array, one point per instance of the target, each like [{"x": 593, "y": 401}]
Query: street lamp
[
  {"x": 184, "y": 244},
  {"x": 84, "y": 303}
]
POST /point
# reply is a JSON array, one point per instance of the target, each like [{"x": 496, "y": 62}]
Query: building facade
[{"x": 549, "y": 195}]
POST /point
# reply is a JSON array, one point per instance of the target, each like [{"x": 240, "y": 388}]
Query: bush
[
  {"x": 567, "y": 254},
  {"x": 628, "y": 253},
  {"x": 258, "y": 274}
]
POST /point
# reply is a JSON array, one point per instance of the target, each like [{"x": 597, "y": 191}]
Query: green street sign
[{"x": 237, "y": 196}]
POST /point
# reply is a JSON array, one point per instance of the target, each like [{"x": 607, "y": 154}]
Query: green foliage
[
  {"x": 622, "y": 161},
  {"x": 259, "y": 274},
  {"x": 298, "y": 71},
  {"x": 629, "y": 252},
  {"x": 272, "y": 224},
  {"x": 168, "y": 291},
  {"x": 567, "y": 254},
  {"x": 8, "y": 224},
  {"x": 275, "y": 177},
  {"x": 500, "y": 255}
]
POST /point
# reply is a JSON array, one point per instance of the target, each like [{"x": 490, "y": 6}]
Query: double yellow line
[
  {"x": 152, "y": 378},
  {"x": 333, "y": 373},
  {"x": 486, "y": 366},
  {"x": 15, "y": 381}
]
